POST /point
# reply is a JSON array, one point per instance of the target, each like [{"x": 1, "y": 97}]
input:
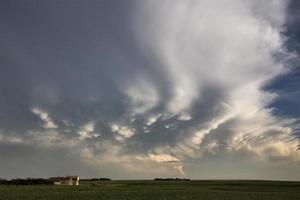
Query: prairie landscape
[
  {"x": 157, "y": 190},
  {"x": 204, "y": 90}
]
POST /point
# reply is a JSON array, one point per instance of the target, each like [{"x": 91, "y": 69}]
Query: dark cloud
[{"x": 110, "y": 87}]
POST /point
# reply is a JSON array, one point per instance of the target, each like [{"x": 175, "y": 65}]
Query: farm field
[{"x": 164, "y": 190}]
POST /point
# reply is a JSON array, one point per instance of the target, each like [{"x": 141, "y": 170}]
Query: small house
[{"x": 66, "y": 180}]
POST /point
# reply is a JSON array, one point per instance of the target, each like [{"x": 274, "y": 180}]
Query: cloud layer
[{"x": 179, "y": 90}]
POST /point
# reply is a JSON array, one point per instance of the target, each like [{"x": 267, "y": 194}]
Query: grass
[{"x": 158, "y": 190}]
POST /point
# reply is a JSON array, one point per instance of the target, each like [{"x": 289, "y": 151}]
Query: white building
[{"x": 66, "y": 180}]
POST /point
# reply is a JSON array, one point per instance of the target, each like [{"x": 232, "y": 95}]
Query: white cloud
[
  {"x": 86, "y": 131},
  {"x": 114, "y": 127},
  {"x": 10, "y": 139},
  {"x": 166, "y": 158},
  {"x": 123, "y": 131},
  {"x": 143, "y": 96},
  {"x": 230, "y": 49},
  {"x": 126, "y": 132},
  {"x": 44, "y": 116},
  {"x": 163, "y": 158},
  {"x": 200, "y": 48},
  {"x": 184, "y": 117},
  {"x": 152, "y": 119}
]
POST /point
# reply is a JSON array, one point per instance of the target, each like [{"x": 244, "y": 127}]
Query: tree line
[
  {"x": 172, "y": 179},
  {"x": 97, "y": 179},
  {"x": 27, "y": 181}
]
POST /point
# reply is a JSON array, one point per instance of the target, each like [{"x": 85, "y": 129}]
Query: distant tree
[
  {"x": 100, "y": 179},
  {"x": 172, "y": 179},
  {"x": 28, "y": 181}
]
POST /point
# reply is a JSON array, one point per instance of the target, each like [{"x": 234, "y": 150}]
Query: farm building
[{"x": 66, "y": 180}]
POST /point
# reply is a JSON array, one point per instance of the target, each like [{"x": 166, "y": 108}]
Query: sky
[{"x": 203, "y": 89}]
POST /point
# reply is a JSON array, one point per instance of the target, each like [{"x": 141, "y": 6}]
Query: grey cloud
[{"x": 179, "y": 81}]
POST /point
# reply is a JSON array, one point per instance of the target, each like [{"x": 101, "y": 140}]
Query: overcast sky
[{"x": 130, "y": 89}]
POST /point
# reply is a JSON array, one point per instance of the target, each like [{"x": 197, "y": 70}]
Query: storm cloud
[{"x": 143, "y": 89}]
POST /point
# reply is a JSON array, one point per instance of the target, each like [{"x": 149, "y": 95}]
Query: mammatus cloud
[
  {"x": 143, "y": 96},
  {"x": 206, "y": 116},
  {"x": 86, "y": 131},
  {"x": 228, "y": 49},
  {"x": 44, "y": 116},
  {"x": 122, "y": 131}
]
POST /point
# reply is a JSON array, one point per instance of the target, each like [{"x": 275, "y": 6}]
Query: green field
[{"x": 165, "y": 190}]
